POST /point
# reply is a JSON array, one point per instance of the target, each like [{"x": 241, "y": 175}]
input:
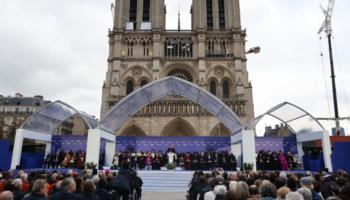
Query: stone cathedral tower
[{"x": 211, "y": 55}]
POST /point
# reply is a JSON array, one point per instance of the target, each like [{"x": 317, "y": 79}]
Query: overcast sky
[{"x": 59, "y": 49}]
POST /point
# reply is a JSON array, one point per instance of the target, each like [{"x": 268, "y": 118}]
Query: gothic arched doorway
[
  {"x": 223, "y": 131},
  {"x": 178, "y": 127},
  {"x": 133, "y": 130}
]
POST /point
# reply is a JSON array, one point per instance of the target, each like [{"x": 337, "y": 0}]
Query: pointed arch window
[
  {"x": 129, "y": 87},
  {"x": 226, "y": 89},
  {"x": 143, "y": 83},
  {"x": 213, "y": 88}
]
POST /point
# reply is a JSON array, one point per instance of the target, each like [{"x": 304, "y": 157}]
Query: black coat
[
  {"x": 65, "y": 196},
  {"x": 90, "y": 197},
  {"x": 18, "y": 194},
  {"x": 103, "y": 194},
  {"x": 171, "y": 149},
  {"x": 197, "y": 190},
  {"x": 48, "y": 158},
  {"x": 35, "y": 197},
  {"x": 78, "y": 190},
  {"x": 203, "y": 191},
  {"x": 101, "y": 158}
]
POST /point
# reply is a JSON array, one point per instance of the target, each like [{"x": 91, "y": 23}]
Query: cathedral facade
[{"x": 210, "y": 55}]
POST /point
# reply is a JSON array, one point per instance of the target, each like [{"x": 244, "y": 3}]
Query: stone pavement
[{"x": 149, "y": 195}]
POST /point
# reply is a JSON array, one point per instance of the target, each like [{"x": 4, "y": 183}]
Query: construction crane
[
  {"x": 254, "y": 50},
  {"x": 327, "y": 28}
]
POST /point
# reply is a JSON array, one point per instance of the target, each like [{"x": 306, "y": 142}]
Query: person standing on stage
[
  {"x": 66, "y": 160},
  {"x": 101, "y": 160},
  {"x": 203, "y": 161},
  {"x": 224, "y": 163},
  {"x": 188, "y": 161},
  {"x": 269, "y": 159},
  {"x": 116, "y": 160},
  {"x": 216, "y": 160},
  {"x": 171, "y": 149},
  {"x": 48, "y": 159},
  {"x": 195, "y": 161},
  {"x": 209, "y": 159},
  {"x": 121, "y": 159},
  {"x": 148, "y": 162},
  {"x": 233, "y": 162},
  {"x": 142, "y": 161},
  {"x": 72, "y": 161},
  {"x": 290, "y": 161},
  {"x": 81, "y": 160}
]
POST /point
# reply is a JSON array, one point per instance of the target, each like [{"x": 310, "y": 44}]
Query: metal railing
[{"x": 217, "y": 53}]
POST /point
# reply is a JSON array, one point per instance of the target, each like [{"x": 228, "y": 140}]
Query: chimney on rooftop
[
  {"x": 277, "y": 126},
  {"x": 18, "y": 94},
  {"x": 39, "y": 97}
]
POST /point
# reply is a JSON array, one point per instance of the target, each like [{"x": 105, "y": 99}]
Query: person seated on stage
[
  {"x": 48, "y": 159},
  {"x": 171, "y": 149},
  {"x": 276, "y": 162},
  {"x": 283, "y": 160},
  {"x": 148, "y": 161},
  {"x": 81, "y": 160},
  {"x": 56, "y": 160},
  {"x": 297, "y": 162},
  {"x": 153, "y": 154},
  {"x": 156, "y": 162},
  {"x": 181, "y": 160},
  {"x": 73, "y": 160},
  {"x": 66, "y": 160},
  {"x": 188, "y": 161},
  {"x": 269, "y": 159},
  {"x": 290, "y": 160},
  {"x": 233, "y": 162},
  {"x": 195, "y": 161}
]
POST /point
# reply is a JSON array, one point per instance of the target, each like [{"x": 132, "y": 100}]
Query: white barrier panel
[{"x": 247, "y": 140}]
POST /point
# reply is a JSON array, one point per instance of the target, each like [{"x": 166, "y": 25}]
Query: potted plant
[
  {"x": 248, "y": 166},
  {"x": 170, "y": 166},
  {"x": 90, "y": 165}
]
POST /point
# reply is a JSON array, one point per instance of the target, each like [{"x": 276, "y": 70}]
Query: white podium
[{"x": 171, "y": 157}]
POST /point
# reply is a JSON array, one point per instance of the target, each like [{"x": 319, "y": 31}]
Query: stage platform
[{"x": 155, "y": 180}]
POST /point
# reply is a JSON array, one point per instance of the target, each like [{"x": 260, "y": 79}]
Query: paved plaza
[{"x": 148, "y": 195}]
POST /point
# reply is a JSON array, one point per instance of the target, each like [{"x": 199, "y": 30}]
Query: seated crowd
[
  {"x": 261, "y": 185},
  {"x": 90, "y": 185}
]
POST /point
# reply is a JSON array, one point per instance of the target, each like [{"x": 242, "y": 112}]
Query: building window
[
  {"x": 7, "y": 102},
  {"x": 146, "y": 6},
  {"x": 143, "y": 83},
  {"x": 130, "y": 48},
  {"x": 2, "y": 121},
  {"x": 226, "y": 89},
  {"x": 18, "y": 103},
  {"x": 16, "y": 110},
  {"x": 14, "y": 120},
  {"x": 209, "y": 15},
  {"x": 181, "y": 73},
  {"x": 133, "y": 12},
  {"x": 36, "y": 103},
  {"x": 4, "y": 110},
  {"x": 213, "y": 87},
  {"x": 221, "y": 14},
  {"x": 129, "y": 87},
  {"x": 145, "y": 49},
  {"x": 27, "y": 110}
]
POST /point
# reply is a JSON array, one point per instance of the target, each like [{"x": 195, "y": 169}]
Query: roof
[
  {"x": 170, "y": 85},
  {"x": 297, "y": 119},
  {"x": 25, "y": 101}
]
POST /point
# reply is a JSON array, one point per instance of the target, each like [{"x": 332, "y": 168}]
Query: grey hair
[
  {"x": 242, "y": 190},
  {"x": 70, "y": 172},
  {"x": 95, "y": 178},
  {"x": 39, "y": 184},
  {"x": 306, "y": 193},
  {"x": 220, "y": 178},
  {"x": 88, "y": 171},
  {"x": 9, "y": 196},
  {"x": 268, "y": 190},
  {"x": 283, "y": 175},
  {"x": 66, "y": 183},
  {"x": 294, "y": 196},
  {"x": 23, "y": 176},
  {"x": 58, "y": 185},
  {"x": 233, "y": 185},
  {"x": 220, "y": 190},
  {"x": 54, "y": 175},
  {"x": 17, "y": 182}
]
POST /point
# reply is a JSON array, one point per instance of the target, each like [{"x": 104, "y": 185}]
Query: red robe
[{"x": 188, "y": 162}]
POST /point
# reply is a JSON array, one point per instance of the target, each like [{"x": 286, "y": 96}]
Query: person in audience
[
  {"x": 242, "y": 190},
  {"x": 267, "y": 191},
  {"x": 101, "y": 192},
  {"x": 283, "y": 175},
  {"x": 294, "y": 196},
  {"x": 230, "y": 195},
  {"x": 78, "y": 188},
  {"x": 212, "y": 183},
  {"x": 18, "y": 194},
  {"x": 38, "y": 192},
  {"x": 122, "y": 183},
  {"x": 258, "y": 183},
  {"x": 25, "y": 185},
  {"x": 198, "y": 189},
  {"x": 95, "y": 179},
  {"x": 44, "y": 177},
  {"x": 233, "y": 185},
  {"x": 306, "y": 193},
  {"x": 7, "y": 177},
  {"x": 345, "y": 192},
  {"x": 88, "y": 191},
  {"x": 291, "y": 184},
  {"x": 68, "y": 187},
  {"x": 306, "y": 182},
  {"x": 253, "y": 192},
  {"x": 56, "y": 188},
  {"x": 282, "y": 193},
  {"x": 6, "y": 195},
  {"x": 219, "y": 192},
  {"x": 279, "y": 182}
]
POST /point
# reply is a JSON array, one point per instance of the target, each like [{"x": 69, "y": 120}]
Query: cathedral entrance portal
[{"x": 178, "y": 127}]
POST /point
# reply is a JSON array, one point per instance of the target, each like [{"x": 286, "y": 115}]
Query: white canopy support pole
[
  {"x": 327, "y": 151},
  {"x": 246, "y": 139},
  {"x": 300, "y": 153},
  {"x": 93, "y": 146},
  {"x": 20, "y": 135},
  {"x": 110, "y": 147}
]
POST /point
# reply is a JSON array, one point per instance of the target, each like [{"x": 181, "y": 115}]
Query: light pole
[{"x": 219, "y": 130}]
